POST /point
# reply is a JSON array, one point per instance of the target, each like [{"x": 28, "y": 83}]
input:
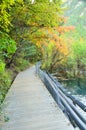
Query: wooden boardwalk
[{"x": 29, "y": 106}]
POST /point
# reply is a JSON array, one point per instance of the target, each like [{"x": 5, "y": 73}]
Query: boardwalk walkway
[{"x": 29, "y": 106}]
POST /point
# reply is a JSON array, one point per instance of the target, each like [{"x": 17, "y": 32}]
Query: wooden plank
[{"x": 29, "y": 106}]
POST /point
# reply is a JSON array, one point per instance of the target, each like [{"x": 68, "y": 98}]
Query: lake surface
[{"x": 77, "y": 88}]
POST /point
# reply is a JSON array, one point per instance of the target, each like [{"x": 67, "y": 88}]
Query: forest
[{"x": 40, "y": 30}]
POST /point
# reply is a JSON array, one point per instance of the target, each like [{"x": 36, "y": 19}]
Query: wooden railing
[{"x": 67, "y": 103}]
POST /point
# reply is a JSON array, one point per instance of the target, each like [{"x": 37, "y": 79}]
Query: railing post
[{"x": 62, "y": 98}]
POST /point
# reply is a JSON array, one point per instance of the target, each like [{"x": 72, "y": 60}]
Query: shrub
[{"x": 5, "y": 81}]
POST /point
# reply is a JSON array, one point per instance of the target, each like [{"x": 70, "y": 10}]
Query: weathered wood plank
[{"x": 29, "y": 106}]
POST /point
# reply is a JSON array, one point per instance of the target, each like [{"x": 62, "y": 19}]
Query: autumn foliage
[{"x": 52, "y": 45}]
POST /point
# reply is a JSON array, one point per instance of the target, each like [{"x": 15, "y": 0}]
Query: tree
[
  {"x": 29, "y": 20},
  {"x": 76, "y": 61},
  {"x": 7, "y": 49},
  {"x": 5, "y": 9},
  {"x": 21, "y": 22},
  {"x": 79, "y": 52}
]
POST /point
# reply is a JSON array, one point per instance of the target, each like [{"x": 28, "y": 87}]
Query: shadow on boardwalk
[{"x": 29, "y": 106}]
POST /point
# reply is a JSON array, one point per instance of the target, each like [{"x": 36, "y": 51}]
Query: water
[{"x": 77, "y": 88}]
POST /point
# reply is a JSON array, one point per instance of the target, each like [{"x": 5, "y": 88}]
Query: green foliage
[
  {"x": 2, "y": 66},
  {"x": 5, "y": 17},
  {"x": 5, "y": 81},
  {"x": 7, "y": 46},
  {"x": 76, "y": 61},
  {"x": 79, "y": 49},
  {"x": 28, "y": 25},
  {"x": 47, "y": 56},
  {"x": 19, "y": 19},
  {"x": 28, "y": 18},
  {"x": 20, "y": 62},
  {"x": 31, "y": 53},
  {"x": 7, "y": 49},
  {"x": 78, "y": 44},
  {"x": 28, "y": 21}
]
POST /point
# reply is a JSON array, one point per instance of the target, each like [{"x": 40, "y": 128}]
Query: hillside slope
[{"x": 76, "y": 11}]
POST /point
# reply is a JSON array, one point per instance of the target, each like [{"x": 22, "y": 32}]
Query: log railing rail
[{"x": 65, "y": 101}]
